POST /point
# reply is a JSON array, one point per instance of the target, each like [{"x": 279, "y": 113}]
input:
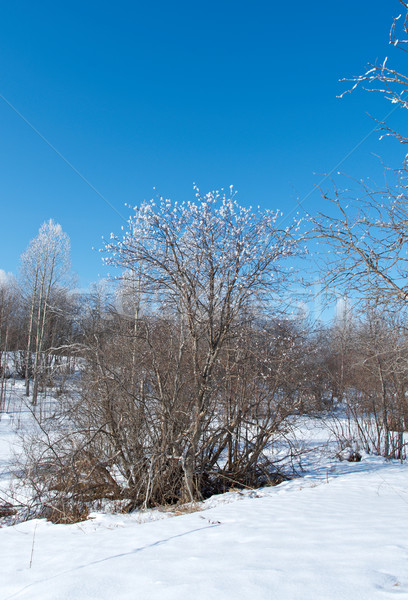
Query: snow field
[
  {"x": 338, "y": 533},
  {"x": 305, "y": 539}
]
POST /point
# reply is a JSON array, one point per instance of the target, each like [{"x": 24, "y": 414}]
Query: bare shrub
[{"x": 184, "y": 390}]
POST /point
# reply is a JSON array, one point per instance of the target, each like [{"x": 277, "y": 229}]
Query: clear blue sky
[{"x": 163, "y": 94}]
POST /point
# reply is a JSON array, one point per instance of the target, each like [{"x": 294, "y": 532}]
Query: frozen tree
[
  {"x": 205, "y": 265},
  {"x": 382, "y": 78},
  {"x": 44, "y": 266},
  {"x": 364, "y": 244},
  {"x": 367, "y": 235}
]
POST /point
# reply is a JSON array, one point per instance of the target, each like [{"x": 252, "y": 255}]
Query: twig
[{"x": 32, "y": 547}]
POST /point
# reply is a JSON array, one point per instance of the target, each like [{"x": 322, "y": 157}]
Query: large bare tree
[{"x": 203, "y": 265}]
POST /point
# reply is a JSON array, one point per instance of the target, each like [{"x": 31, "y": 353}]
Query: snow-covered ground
[{"x": 340, "y": 532}]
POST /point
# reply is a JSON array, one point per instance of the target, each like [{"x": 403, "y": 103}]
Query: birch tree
[
  {"x": 44, "y": 266},
  {"x": 9, "y": 302}
]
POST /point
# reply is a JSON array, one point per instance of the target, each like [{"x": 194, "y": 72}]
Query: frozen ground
[{"x": 341, "y": 532}]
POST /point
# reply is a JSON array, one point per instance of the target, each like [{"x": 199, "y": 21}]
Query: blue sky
[{"x": 159, "y": 95}]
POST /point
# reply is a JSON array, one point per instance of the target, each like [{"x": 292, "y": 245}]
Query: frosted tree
[
  {"x": 366, "y": 235},
  {"x": 386, "y": 80},
  {"x": 205, "y": 265},
  {"x": 44, "y": 266}
]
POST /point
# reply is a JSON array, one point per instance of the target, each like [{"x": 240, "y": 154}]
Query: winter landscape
[
  {"x": 222, "y": 410},
  {"x": 339, "y": 530}
]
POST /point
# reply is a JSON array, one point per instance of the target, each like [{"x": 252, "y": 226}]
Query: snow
[{"x": 339, "y": 532}]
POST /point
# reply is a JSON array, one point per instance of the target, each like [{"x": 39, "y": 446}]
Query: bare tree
[
  {"x": 44, "y": 265},
  {"x": 204, "y": 263},
  {"x": 9, "y": 305},
  {"x": 363, "y": 247},
  {"x": 368, "y": 235},
  {"x": 375, "y": 384},
  {"x": 365, "y": 244},
  {"x": 386, "y": 80}
]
